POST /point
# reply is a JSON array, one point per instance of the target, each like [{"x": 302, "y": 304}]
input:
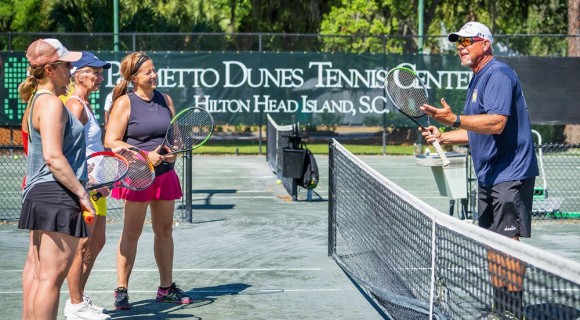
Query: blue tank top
[
  {"x": 510, "y": 155},
  {"x": 73, "y": 149},
  {"x": 147, "y": 125}
]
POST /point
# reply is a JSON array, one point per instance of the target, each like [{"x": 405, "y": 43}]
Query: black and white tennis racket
[
  {"x": 140, "y": 174},
  {"x": 188, "y": 130},
  {"x": 408, "y": 93}
]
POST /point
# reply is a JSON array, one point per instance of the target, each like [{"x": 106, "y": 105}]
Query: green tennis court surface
[{"x": 250, "y": 253}]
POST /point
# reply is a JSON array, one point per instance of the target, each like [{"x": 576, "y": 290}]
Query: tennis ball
[
  {"x": 278, "y": 181},
  {"x": 15, "y": 157}
]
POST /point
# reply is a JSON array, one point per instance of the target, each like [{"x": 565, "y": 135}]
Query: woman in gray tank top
[
  {"x": 140, "y": 118},
  {"x": 54, "y": 195}
]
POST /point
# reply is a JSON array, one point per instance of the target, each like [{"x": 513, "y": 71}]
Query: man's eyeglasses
[{"x": 466, "y": 42}]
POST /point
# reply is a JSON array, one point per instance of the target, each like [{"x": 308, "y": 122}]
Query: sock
[
  {"x": 515, "y": 303},
  {"x": 499, "y": 298}
]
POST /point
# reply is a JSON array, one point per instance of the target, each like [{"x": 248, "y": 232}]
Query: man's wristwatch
[{"x": 457, "y": 122}]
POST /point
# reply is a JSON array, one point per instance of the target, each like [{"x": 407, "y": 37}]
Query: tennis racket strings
[
  {"x": 105, "y": 168},
  {"x": 189, "y": 128},
  {"x": 141, "y": 173},
  {"x": 406, "y": 91}
]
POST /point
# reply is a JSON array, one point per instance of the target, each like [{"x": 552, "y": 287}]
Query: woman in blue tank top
[
  {"x": 140, "y": 119},
  {"x": 54, "y": 196}
]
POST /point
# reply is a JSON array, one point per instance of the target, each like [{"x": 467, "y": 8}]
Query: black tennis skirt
[{"x": 49, "y": 206}]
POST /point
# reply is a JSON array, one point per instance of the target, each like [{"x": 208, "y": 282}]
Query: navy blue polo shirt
[{"x": 510, "y": 155}]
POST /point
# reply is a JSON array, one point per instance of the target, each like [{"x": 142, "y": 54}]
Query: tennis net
[
  {"x": 415, "y": 262},
  {"x": 278, "y": 138}
]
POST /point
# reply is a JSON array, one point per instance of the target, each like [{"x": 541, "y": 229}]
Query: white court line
[
  {"x": 254, "y": 197},
  {"x": 230, "y": 197},
  {"x": 194, "y": 291},
  {"x": 203, "y": 270},
  {"x": 220, "y": 270},
  {"x": 194, "y": 177}
]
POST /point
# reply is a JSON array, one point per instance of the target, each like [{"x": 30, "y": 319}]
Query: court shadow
[
  {"x": 551, "y": 311},
  {"x": 217, "y": 291},
  {"x": 314, "y": 197},
  {"x": 150, "y": 309},
  {"x": 207, "y": 205}
]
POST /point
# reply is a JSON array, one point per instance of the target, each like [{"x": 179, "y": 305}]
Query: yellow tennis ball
[
  {"x": 278, "y": 181},
  {"x": 16, "y": 157}
]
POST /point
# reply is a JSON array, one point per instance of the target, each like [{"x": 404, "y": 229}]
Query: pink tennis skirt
[{"x": 164, "y": 187}]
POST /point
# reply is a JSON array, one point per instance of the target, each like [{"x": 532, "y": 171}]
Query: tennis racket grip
[
  {"x": 96, "y": 196},
  {"x": 445, "y": 161},
  {"x": 88, "y": 217}
]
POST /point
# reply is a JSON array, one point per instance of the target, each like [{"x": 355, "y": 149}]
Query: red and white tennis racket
[
  {"x": 104, "y": 168},
  {"x": 140, "y": 174}
]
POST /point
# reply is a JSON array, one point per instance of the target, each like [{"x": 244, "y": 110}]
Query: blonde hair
[
  {"x": 36, "y": 76},
  {"x": 129, "y": 67},
  {"x": 28, "y": 87}
]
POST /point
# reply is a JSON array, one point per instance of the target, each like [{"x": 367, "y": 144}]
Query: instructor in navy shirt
[{"x": 497, "y": 127}]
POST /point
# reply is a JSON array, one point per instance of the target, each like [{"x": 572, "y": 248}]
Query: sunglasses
[
  {"x": 466, "y": 42},
  {"x": 67, "y": 65}
]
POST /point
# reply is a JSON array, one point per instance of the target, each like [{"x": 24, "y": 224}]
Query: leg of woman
[
  {"x": 56, "y": 252},
  {"x": 134, "y": 217},
  {"x": 162, "y": 221},
  {"x": 27, "y": 280},
  {"x": 74, "y": 276},
  {"x": 96, "y": 244}
]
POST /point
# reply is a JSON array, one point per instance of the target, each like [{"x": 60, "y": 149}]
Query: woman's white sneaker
[{"x": 82, "y": 311}]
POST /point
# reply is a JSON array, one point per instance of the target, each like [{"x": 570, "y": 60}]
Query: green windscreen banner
[{"x": 311, "y": 88}]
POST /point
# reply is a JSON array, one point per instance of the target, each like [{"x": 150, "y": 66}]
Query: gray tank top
[{"x": 73, "y": 149}]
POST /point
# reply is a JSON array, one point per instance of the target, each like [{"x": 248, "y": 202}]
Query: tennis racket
[
  {"x": 105, "y": 168},
  {"x": 140, "y": 174},
  {"x": 408, "y": 93},
  {"x": 188, "y": 130}
]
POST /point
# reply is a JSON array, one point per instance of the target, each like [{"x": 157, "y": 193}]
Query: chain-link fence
[
  {"x": 541, "y": 45},
  {"x": 13, "y": 168},
  {"x": 557, "y": 188},
  {"x": 556, "y": 194}
]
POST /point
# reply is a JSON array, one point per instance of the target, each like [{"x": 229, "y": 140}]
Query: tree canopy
[{"x": 365, "y": 24}]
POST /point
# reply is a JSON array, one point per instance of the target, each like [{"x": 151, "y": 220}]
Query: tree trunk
[
  {"x": 573, "y": 28},
  {"x": 572, "y": 131}
]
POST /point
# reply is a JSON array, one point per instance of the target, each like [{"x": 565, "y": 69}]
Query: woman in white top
[{"x": 87, "y": 77}]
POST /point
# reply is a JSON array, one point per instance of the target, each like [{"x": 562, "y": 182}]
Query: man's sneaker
[
  {"x": 505, "y": 315},
  {"x": 509, "y": 316},
  {"x": 173, "y": 295},
  {"x": 82, "y": 311},
  {"x": 122, "y": 299},
  {"x": 490, "y": 315},
  {"x": 88, "y": 300}
]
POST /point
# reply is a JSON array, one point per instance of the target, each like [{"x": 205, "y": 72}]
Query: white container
[{"x": 451, "y": 180}]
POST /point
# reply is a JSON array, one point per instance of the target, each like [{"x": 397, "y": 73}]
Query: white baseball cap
[{"x": 470, "y": 30}]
